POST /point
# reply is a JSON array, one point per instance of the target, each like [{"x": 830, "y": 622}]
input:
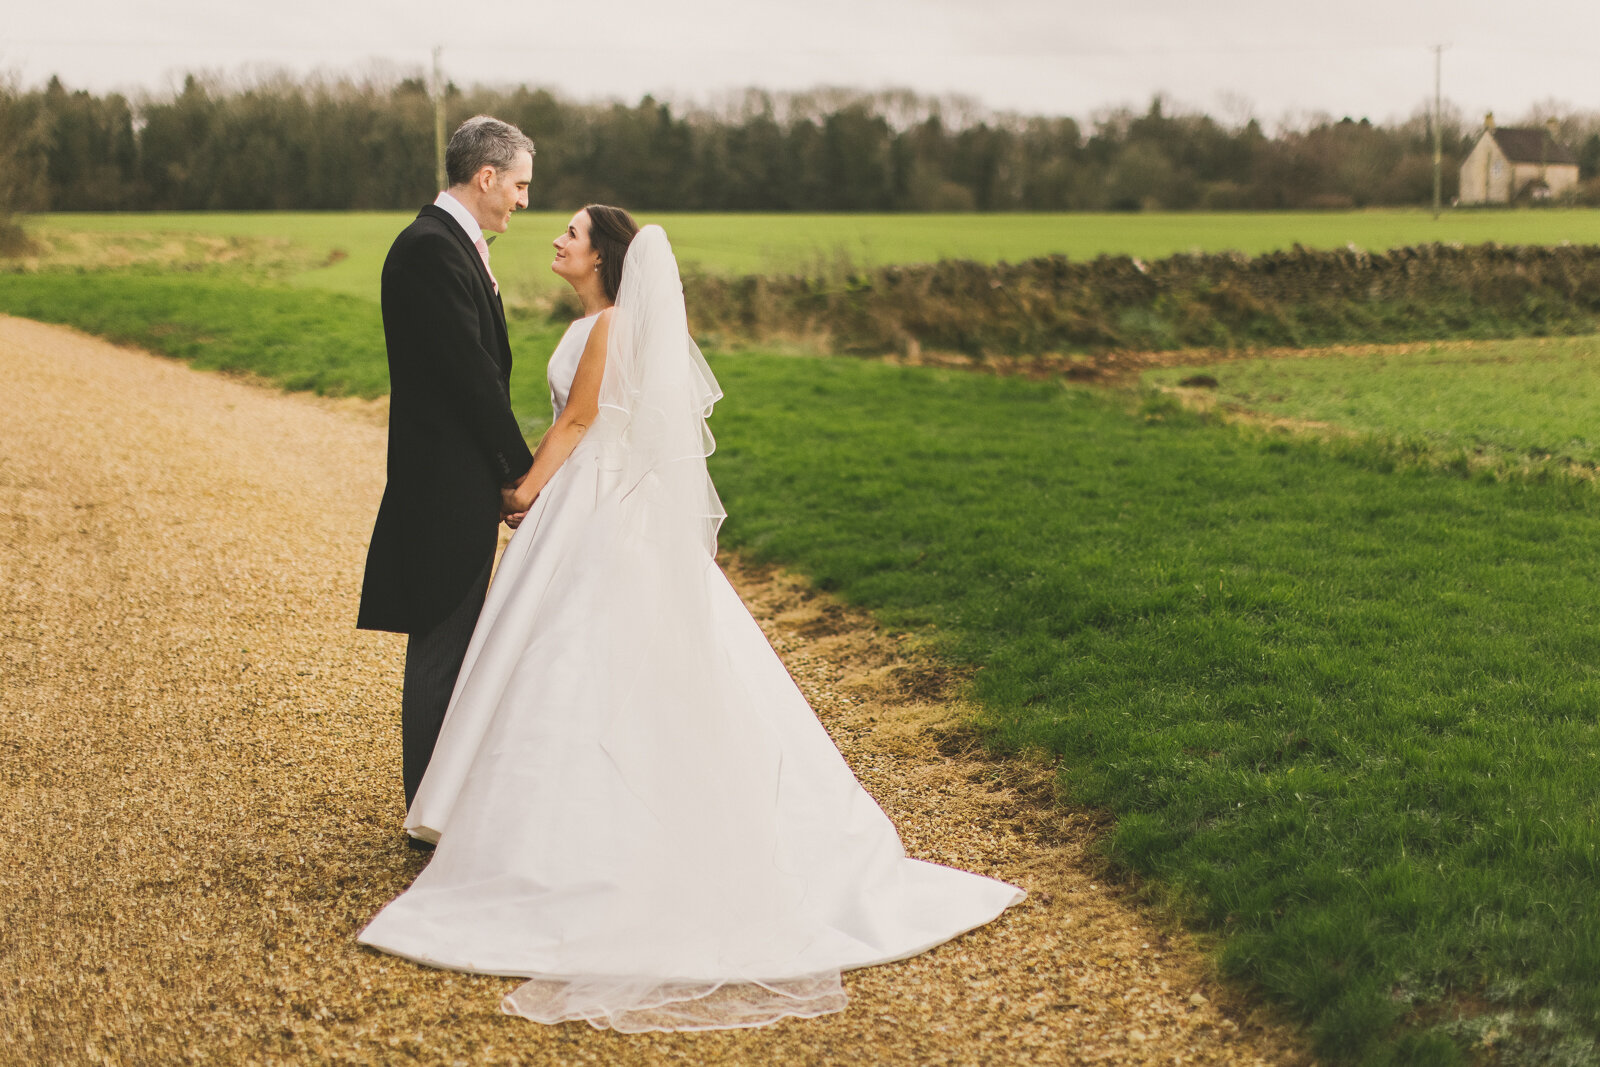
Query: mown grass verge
[
  {"x": 314, "y": 341},
  {"x": 1342, "y": 706},
  {"x": 301, "y": 339}
]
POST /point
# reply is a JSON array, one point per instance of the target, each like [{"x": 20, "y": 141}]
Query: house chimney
[{"x": 1488, "y": 121}]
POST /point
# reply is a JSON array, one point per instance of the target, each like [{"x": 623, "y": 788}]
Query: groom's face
[{"x": 507, "y": 192}]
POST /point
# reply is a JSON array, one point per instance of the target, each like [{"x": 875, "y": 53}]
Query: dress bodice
[{"x": 564, "y": 362}]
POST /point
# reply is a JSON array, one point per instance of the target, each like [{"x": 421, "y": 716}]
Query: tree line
[{"x": 352, "y": 144}]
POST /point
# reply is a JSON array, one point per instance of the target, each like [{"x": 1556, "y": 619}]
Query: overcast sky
[{"x": 1271, "y": 59}]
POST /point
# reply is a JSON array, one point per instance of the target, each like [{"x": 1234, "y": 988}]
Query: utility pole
[
  {"x": 439, "y": 125},
  {"x": 1438, "y": 135}
]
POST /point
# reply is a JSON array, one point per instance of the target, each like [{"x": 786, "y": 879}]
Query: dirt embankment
[{"x": 1056, "y": 308}]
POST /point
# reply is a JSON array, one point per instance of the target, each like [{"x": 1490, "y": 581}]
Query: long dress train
[{"x": 633, "y": 804}]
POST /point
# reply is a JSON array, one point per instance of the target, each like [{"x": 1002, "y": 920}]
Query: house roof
[{"x": 1522, "y": 145}]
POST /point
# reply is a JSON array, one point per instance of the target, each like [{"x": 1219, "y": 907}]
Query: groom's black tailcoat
[{"x": 453, "y": 440}]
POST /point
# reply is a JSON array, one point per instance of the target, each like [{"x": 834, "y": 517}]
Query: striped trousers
[{"x": 433, "y": 659}]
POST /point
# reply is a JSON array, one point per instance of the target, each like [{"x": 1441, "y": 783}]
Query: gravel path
[{"x": 201, "y": 777}]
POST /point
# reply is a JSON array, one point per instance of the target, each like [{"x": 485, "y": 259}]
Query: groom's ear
[{"x": 484, "y": 179}]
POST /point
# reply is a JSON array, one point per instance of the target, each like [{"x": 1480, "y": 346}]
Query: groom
[{"x": 453, "y": 441}]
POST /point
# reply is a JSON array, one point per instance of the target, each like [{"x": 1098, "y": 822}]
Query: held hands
[{"x": 515, "y": 500}]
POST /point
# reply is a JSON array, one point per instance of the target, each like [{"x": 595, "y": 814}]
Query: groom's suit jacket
[{"x": 453, "y": 440}]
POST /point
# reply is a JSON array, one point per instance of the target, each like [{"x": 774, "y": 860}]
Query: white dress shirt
[{"x": 460, "y": 214}]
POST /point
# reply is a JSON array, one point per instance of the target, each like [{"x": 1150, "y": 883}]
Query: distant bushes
[{"x": 1056, "y": 306}]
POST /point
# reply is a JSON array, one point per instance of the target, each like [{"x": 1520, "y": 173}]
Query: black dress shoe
[{"x": 416, "y": 844}]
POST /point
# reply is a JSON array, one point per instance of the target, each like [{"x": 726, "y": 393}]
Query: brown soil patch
[
  {"x": 1206, "y": 401},
  {"x": 1123, "y": 368},
  {"x": 201, "y": 777}
]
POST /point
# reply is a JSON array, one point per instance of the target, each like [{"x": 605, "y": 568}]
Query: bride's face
[{"x": 575, "y": 256}]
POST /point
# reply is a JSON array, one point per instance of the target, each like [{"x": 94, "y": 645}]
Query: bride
[{"x": 634, "y": 806}]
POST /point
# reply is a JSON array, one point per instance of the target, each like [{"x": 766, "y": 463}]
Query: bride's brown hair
[{"x": 611, "y": 230}]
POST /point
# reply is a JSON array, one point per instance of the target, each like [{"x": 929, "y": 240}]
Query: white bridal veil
[{"x": 657, "y": 393}]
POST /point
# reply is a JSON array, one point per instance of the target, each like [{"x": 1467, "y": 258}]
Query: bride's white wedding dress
[{"x": 633, "y": 804}]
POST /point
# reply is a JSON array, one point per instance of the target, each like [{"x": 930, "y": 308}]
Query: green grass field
[
  {"x": 1504, "y": 402},
  {"x": 1341, "y": 704},
  {"x": 745, "y": 244}
]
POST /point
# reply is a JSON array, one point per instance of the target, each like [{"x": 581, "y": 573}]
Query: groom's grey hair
[{"x": 483, "y": 141}]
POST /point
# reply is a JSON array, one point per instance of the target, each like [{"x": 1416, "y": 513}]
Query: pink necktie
[{"x": 483, "y": 254}]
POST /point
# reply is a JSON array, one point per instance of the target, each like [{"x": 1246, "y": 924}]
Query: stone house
[{"x": 1516, "y": 164}]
